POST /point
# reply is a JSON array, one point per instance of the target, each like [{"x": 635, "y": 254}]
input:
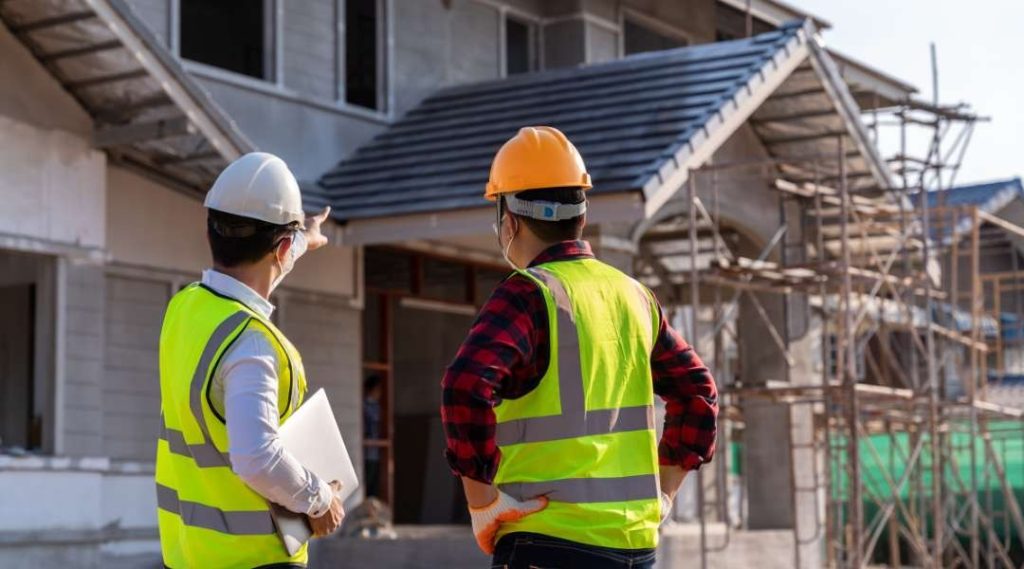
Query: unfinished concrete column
[{"x": 780, "y": 342}]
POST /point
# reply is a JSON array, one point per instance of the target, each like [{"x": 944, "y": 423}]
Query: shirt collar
[
  {"x": 236, "y": 289},
  {"x": 564, "y": 251}
]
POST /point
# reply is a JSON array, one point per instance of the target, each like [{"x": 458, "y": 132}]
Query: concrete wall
[
  {"x": 310, "y": 48},
  {"x": 88, "y": 501},
  {"x": 433, "y": 45},
  {"x": 52, "y": 183},
  {"x": 153, "y": 227},
  {"x": 274, "y": 119},
  {"x": 693, "y": 18},
  {"x": 131, "y": 383},
  {"x": 85, "y": 334},
  {"x": 39, "y": 100},
  {"x": 437, "y": 47}
]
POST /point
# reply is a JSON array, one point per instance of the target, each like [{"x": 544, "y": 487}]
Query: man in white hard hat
[{"x": 229, "y": 378}]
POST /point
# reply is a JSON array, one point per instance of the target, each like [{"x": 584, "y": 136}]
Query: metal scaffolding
[{"x": 906, "y": 450}]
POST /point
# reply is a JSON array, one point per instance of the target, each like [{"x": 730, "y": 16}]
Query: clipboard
[{"x": 312, "y": 436}]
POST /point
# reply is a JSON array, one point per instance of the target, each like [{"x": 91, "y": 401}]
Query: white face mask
[
  {"x": 297, "y": 249},
  {"x": 505, "y": 250}
]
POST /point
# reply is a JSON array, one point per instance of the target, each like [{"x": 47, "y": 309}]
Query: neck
[
  {"x": 530, "y": 249},
  {"x": 255, "y": 277}
]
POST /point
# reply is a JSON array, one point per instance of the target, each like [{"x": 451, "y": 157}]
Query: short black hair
[
  {"x": 236, "y": 240},
  {"x": 554, "y": 231}
]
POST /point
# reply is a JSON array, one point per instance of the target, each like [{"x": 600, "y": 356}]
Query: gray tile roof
[
  {"x": 989, "y": 197},
  {"x": 627, "y": 117}
]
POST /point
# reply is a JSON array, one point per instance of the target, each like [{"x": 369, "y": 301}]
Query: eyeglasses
[{"x": 496, "y": 226}]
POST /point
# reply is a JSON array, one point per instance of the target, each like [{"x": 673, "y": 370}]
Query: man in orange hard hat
[{"x": 548, "y": 407}]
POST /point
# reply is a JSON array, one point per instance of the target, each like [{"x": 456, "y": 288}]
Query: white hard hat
[{"x": 258, "y": 186}]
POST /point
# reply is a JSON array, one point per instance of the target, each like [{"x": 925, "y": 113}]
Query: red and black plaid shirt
[{"x": 506, "y": 355}]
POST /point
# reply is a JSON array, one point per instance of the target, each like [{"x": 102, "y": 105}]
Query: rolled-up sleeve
[{"x": 691, "y": 401}]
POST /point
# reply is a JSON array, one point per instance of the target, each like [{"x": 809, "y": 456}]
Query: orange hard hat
[{"x": 536, "y": 157}]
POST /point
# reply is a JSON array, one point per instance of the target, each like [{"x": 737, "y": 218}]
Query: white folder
[{"x": 312, "y": 436}]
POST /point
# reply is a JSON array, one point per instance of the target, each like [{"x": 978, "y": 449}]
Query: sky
[{"x": 981, "y": 62}]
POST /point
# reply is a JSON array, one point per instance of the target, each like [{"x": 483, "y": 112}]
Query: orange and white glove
[{"x": 488, "y": 519}]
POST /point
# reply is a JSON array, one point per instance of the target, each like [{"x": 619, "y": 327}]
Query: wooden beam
[
  {"x": 794, "y": 116},
  {"x": 134, "y": 133},
  {"x": 210, "y": 157},
  {"x": 55, "y": 21},
  {"x": 959, "y": 338},
  {"x": 104, "y": 79},
  {"x": 79, "y": 51},
  {"x": 804, "y": 137},
  {"x": 1001, "y": 223},
  {"x": 127, "y": 110}
]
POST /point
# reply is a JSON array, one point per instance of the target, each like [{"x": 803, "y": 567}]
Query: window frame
[
  {"x": 384, "y": 66},
  {"x": 652, "y": 24},
  {"x": 273, "y": 57},
  {"x": 277, "y": 87},
  {"x": 533, "y": 26}
]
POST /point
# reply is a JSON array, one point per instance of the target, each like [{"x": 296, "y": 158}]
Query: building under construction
[
  {"x": 861, "y": 311},
  {"x": 895, "y": 310}
]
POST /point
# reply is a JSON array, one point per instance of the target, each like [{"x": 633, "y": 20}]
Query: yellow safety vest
[
  {"x": 585, "y": 437},
  {"x": 208, "y": 516}
]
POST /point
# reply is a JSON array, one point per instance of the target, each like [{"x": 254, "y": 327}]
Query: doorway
[
  {"x": 418, "y": 310},
  {"x": 20, "y": 426},
  {"x": 27, "y": 329}
]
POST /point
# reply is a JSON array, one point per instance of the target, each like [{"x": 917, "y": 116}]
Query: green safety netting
[{"x": 885, "y": 459}]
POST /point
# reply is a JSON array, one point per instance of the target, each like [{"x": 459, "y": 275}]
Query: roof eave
[
  {"x": 891, "y": 89},
  {"x": 147, "y": 113},
  {"x": 610, "y": 207},
  {"x": 661, "y": 187},
  {"x": 208, "y": 117},
  {"x": 847, "y": 108},
  {"x": 776, "y": 13}
]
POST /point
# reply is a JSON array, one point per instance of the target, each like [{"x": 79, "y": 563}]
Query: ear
[
  {"x": 513, "y": 222},
  {"x": 283, "y": 246}
]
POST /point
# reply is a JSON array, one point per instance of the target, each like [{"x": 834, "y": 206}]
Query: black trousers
[{"x": 530, "y": 550}]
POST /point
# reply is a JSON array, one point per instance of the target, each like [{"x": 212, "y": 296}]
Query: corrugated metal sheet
[{"x": 627, "y": 117}]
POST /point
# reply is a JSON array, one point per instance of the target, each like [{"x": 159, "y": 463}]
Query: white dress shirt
[{"x": 244, "y": 386}]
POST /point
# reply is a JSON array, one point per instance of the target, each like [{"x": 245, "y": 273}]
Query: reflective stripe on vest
[
  {"x": 587, "y": 490},
  {"x": 576, "y": 421},
  {"x": 207, "y": 517},
  {"x": 206, "y": 454}
]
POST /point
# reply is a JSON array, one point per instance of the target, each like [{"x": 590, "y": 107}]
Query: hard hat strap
[{"x": 545, "y": 211}]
